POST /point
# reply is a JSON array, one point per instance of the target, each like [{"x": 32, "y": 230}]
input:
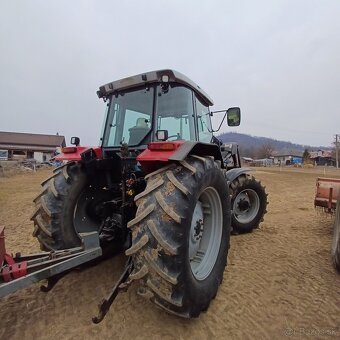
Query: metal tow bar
[
  {"x": 121, "y": 285},
  {"x": 21, "y": 271}
]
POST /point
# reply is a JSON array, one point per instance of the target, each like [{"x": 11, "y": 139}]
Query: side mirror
[
  {"x": 75, "y": 141},
  {"x": 162, "y": 135},
  {"x": 234, "y": 116}
]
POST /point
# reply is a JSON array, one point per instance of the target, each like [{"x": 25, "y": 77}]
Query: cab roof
[{"x": 149, "y": 78}]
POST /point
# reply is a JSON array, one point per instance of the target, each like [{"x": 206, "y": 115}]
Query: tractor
[{"x": 161, "y": 187}]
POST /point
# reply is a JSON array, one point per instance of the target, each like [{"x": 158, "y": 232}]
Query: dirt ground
[{"x": 279, "y": 281}]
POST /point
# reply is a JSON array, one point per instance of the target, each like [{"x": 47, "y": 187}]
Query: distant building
[
  {"x": 257, "y": 162},
  {"x": 288, "y": 158},
  {"x": 322, "y": 157},
  {"x": 263, "y": 162},
  {"x": 20, "y": 146},
  {"x": 247, "y": 160}
]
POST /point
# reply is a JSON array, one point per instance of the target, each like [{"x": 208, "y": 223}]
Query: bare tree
[
  {"x": 265, "y": 150},
  {"x": 248, "y": 151}
]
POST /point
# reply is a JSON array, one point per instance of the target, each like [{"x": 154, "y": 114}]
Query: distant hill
[{"x": 249, "y": 145}]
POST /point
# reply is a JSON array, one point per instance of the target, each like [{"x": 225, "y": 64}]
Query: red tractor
[{"x": 160, "y": 187}]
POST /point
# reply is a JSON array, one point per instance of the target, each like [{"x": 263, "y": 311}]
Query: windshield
[{"x": 129, "y": 118}]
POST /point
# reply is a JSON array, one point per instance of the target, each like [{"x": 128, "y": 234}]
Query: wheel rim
[
  {"x": 246, "y": 206},
  {"x": 205, "y": 233}
]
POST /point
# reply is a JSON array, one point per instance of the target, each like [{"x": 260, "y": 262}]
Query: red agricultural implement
[
  {"x": 20, "y": 271},
  {"x": 327, "y": 197},
  {"x": 327, "y": 193}
]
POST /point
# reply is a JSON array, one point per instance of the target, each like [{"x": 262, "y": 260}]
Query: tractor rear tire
[
  {"x": 335, "y": 252},
  {"x": 248, "y": 203},
  {"x": 54, "y": 215},
  {"x": 180, "y": 236}
]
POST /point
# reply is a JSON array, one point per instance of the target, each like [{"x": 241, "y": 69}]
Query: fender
[
  {"x": 159, "y": 153},
  {"x": 75, "y": 153},
  {"x": 236, "y": 172},
  {"x": 199, "y": 149}
]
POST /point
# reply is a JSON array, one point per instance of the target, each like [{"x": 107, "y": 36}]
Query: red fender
[
  {"x": 156, "y": 153},
  {"x": 73, "y": 153}
]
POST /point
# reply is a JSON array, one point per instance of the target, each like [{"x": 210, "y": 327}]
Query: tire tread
[
  {"x": 47, "y": 216},
  {"x": 156, "y": 257}
]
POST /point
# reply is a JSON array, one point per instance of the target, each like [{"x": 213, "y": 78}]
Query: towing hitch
[
  {"x": 120, "y": 285},
  {"x": 19, "y": 271}
]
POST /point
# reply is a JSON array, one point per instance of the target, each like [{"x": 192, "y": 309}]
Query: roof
[
  {"x": 321, "y": 154},
  {"x": 152, "y": 77},
  {"x": 288, "y": 155},
  {"x": 12, "y": 140}
]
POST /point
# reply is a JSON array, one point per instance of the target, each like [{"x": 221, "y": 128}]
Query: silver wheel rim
[
  {"x": 205, "y": 233},
  {"x": 246, "y": 206}
]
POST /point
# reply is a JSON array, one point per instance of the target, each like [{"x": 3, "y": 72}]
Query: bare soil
[{"x": 279, "y": 280}]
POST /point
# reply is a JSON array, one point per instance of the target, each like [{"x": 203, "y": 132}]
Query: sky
[{"x": 278, "y": 60}]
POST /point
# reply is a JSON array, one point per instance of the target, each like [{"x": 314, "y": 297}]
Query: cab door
[{"x": 203, "y": 119}]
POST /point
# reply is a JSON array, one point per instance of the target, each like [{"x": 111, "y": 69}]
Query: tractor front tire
[
  {"x": 180, "y": 236},
  {"x": 248, "y": 204},
  {"x": 335, "y": 252},
  {"x": 53, "y": 216}
]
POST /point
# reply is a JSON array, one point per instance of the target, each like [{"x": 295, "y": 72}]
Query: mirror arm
[
  {"x": 225, "y": 114},
  {"x": 212, "y": 112}
]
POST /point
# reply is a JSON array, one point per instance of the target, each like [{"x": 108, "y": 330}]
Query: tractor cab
[{"x": 142, "y": 105}]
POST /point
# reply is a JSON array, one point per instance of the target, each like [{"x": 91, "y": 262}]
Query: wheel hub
[
  {"x": 246, "y": 206},
  {"x": 196, "y": 230}
]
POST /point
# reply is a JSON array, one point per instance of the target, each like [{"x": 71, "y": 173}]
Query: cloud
[{"x": 278, "y": 61}]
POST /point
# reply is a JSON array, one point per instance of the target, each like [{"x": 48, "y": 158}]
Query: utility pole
[{"x": 336, "y": 151}]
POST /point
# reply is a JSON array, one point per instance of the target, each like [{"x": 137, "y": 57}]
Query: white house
[{"x": 288, "y": 158}]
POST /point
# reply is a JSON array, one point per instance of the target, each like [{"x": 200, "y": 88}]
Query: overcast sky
[{"x": 278, "y": 60}]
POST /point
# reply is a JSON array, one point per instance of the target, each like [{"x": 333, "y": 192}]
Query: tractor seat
[{"x": 138, "y": 132}]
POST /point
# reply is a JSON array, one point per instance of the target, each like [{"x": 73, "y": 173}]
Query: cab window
[
  {"x": 175, "y": 112},
  {"x": 203, "y": 121}
]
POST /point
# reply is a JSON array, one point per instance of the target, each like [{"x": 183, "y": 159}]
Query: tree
[
  {"x": 265, "y": 150},
  {"x": 248, "y": 151},
  {"x": 306, "y": 157}
]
